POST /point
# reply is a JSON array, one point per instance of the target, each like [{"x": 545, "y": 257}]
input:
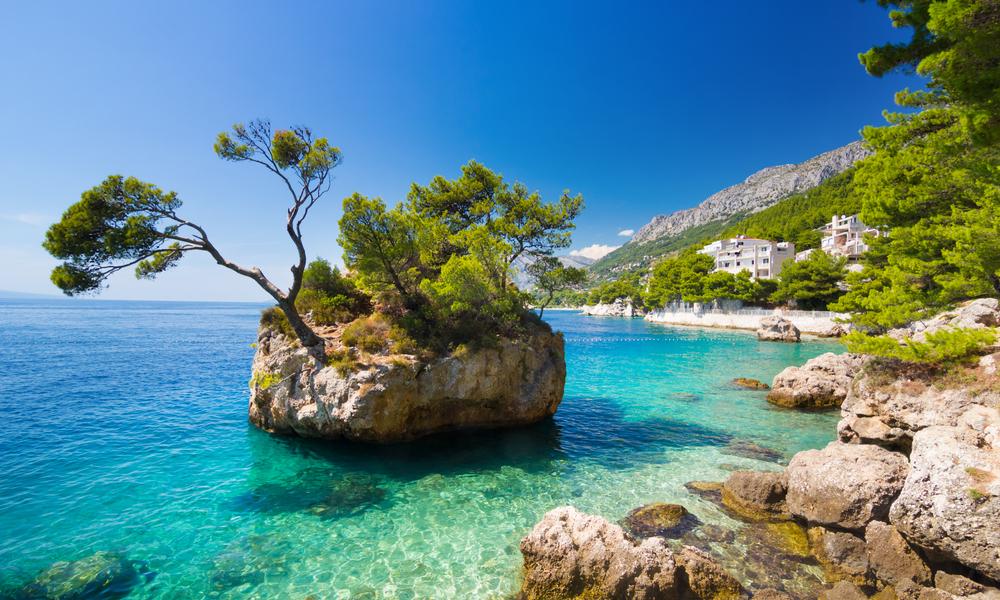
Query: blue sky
[{"x": 645, "y": 108}]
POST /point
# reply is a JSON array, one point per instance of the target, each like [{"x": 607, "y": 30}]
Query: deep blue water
[{"x": 124, "y": 429}]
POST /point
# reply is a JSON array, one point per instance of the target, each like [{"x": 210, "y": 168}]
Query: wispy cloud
[
  {"x": 34, "y": 219},
  {"x": 626, "y": 232},
  {"x": 594, "y": 251}
]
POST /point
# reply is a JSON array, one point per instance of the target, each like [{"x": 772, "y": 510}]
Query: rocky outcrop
[
  {"x": 756, "y": 494},
  {"x": 569, "y": 554},
  {"x": 950, "y": 503},
  {"x": 759, "y": 191},
  {"x": 844, "y": 486},
  {"x": 621, "y": 307},
  {"x": 975, "y": 314},
  {"x": 843, "y": 555},
  {"x": 400, "y": 397},
  {"x": 822, "y": 382},
  {"x": 777, "y": 329}
]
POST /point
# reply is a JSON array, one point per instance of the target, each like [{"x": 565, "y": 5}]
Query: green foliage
[
  {"x": 551, "y": 277},
  {"x": 329, "y": 297},
  {"x": 628, "y": 287},
  {"x": 117, "y": 224},
  {"x": 274, "y": 318},
  {"x": 265, "y": 380},
  {"x": 942, "y": 347},
  {"x": 680, "y": 278},
  {"x": 440, "y": 263},
  {"x": 934, "y": 181},
  {"x": 369, "y": 334},
  {"x": 812, "y": 283},
  {"x": 342, "y": 360}
]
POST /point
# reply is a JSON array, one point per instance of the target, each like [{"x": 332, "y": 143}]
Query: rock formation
[
  {"x": 621, "y": 307},
  {"x": 843, "y": 485},
  {"x": 750, "y": 384},
  {"x": 570, "y": 554},
  {"x": 777, "y": 329},
  {"x": 401, "y": 397},
  {"x": 822, "y": 382},
  {"x": 756, "y": 495}
]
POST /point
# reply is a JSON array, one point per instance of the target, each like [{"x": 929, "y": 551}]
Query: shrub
[
  {"x": 369, "y": 334},
  {"x": 342, "y": 360},
  {"x": 265, "y": 380},
  {"x": 274, "y": 318},
  {"x": 945, "y": 347}
]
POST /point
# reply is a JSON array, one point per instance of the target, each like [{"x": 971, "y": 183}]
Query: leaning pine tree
[{"x": 127, "y": 223}]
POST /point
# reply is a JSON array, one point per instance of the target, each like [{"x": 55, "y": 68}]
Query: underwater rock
[
  {"x": 749, "y": 449},
  {"x": 756, "y": 494},
  {"x": 709, "y": 490},
  {"x": 777, "y": 329},
  {"x": 844, "y": 485},
  {"x": 395, "y": 397},
  {"x": 750, "y": 384},
  {"x": 104, "y": 575},
  {"x": 659, "y": 519},
  {"x": 843, "y": 555}
]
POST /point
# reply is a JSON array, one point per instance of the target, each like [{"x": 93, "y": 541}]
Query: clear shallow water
[{"x": 124, "y": 428}]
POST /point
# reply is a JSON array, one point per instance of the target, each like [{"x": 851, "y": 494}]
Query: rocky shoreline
[{"x": 905, "y": 503}]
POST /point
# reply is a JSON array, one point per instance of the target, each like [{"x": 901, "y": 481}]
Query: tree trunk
[{"x": 305, "y": 333}]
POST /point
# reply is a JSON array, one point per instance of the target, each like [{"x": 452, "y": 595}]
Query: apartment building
[
  {"x": 762, "y": 258},
  {"x": 844, "y": 236}
]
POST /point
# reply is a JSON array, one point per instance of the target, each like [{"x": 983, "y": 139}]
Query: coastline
[{"x": 808, "y": 322}]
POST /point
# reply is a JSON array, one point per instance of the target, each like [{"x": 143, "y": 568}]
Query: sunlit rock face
[{"x": 397, "y": 397}]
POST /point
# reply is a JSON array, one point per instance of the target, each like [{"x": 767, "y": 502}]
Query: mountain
[{"x": 763, "y": 189}]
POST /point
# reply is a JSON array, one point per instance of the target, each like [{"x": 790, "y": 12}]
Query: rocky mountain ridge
[{"x": 759, "y": 191}]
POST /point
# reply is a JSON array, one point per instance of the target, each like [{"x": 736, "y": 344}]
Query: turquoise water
[{"x": 124, "y": 429}]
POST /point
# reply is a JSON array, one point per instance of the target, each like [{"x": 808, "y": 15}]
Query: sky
[{"x": 644, "y": 108}]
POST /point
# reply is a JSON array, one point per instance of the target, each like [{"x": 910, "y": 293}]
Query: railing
[{"x": 747, "y": 311}]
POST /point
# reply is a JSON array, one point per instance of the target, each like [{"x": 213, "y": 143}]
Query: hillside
[{"x": 724, "y": 209}]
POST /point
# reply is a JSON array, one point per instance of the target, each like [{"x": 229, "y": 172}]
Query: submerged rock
[
  {"x": 756, "y": 494},
  {"x": 659, "y": 519},
  {"x": 709, "y": 490},
  {"x": 822, "y": 382},
  {"x": 398, "y": 397},
  {"x": 750, "y": 449},
  {"x": 750, "y": 384},
  {"x": 100, "y": 575},
  {"x": 843, "y": 555},
  {"x": 844, "y": 485},
  {"x": 777, "y": 329}
]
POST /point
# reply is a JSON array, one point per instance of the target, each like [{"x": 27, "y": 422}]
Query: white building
[
  {"x": 844, "y": 236},
  {"x": 762, "y": 258}
]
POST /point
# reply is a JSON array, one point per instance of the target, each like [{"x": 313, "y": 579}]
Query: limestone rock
[
  {"x": 843, "y": 555},
  {"x": 843, "y": 590},
  {"x": 893, "y": 560},
  {"x": 398, "y": 397},
  {"x": 821, "y": 382},
  {"x": 659, "y": 519},
  {"x": 889, "y": 414},
  {"x": 621, "y": 307},
  {"x": 950, "y": 504},
  {"x": 975, "y": 314},
  {"x": 844, "y": 485},
  {"x": 750, "y": 384},
  {"x": 963, "y": 587},
  {"x": 569, "y": 554},
  {"x": 777, "y": 329},
  {"x": 756, "y": 494}
]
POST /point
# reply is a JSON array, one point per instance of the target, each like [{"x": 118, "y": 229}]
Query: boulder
[
  {"x": 893, "y": 561},
  {"x": 621, "y": 307},
  {"x": 100, "y": 575},
  {"x": 821, "y": 382},
  {"x": 569, "y": 554},
  {"x": 777, "y": 329},
  {"x": 391, "y": 398},
  {"x": 843, "y": 485},
  {"x": 750, "y": 384},
  {"x": 889, "y": 413},
  {"x": 949, "y": 506},
  {"x": 975, "y": 314},
  {"x": 659, "y": 519},
  {"x": 756, "y": 494},
  {"x": 963, "y": 587},
  {"x": 842, "y": 555},
  {"x": 843, "y": 590}
]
